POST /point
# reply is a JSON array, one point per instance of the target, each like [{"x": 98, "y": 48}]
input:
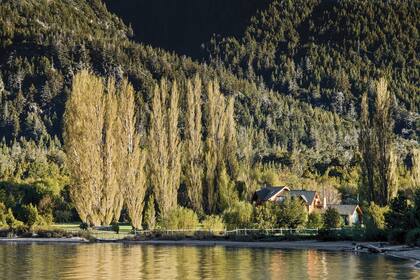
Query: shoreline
[{"x": 412, "y": 254}]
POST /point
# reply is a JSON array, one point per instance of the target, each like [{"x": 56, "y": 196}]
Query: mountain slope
[
  {"x": 44, "y": 43},
  {"x": 327, "y": 53}
]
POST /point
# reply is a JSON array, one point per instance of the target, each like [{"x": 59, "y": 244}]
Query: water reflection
[{"x": 117, "y": 261}]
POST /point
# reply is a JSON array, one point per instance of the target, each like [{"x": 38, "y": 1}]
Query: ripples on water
[{"x": 119, "y": 261}]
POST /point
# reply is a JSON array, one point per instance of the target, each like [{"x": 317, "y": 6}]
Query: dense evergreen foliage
[{"x": 326, "y": 53}]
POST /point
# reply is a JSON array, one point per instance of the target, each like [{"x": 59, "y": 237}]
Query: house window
[
  {"x": 280, "y": 199},
  {"x": 346, "y": 220}
]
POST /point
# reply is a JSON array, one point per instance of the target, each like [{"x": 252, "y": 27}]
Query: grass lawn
[{"x": 124, "y": 230}]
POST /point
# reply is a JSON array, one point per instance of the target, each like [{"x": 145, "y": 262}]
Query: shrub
[
  {"x": 52, "y": 233},
  {"x": 292, "y": 213},
  {"x": 180, "y": 218},
  {"x": 374, "y": 220},
  {"x": 239, "y": 215},
  {"x": 416, "y": 209},
  {"x": 115, "y": 227},
  {"x": 12, "y": 222},
  {"x": 266, "y": 215},
  {"x": 331, "y": 218},
  {"x": 314, "y": 220},
  {"x": 149, "y": 218},
  {"x": 63, "y": 216},
  {"x": 399, "y": 214},
  {"x": 84, "y": 226},
  {"x": 30, "y": 215},
  {"x": 325, "y": 234},
  {"x": 227, "y": 192},
  {"x": 3, "y": 214},
  {"x": 413, "y": 237},
  {"x": 213, "y": 223}
]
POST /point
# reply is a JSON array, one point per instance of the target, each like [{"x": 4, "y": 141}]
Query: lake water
[{"x": 120, "y": 261}]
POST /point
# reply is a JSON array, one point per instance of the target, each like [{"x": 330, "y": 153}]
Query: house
[
  {"x": 273, "y": 194},
  {"x": 351, "y": 213},
  {"x": 311, "y": 199}
]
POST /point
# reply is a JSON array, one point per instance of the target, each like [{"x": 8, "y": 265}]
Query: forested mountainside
[
  {"x": 44, "y": 43},
  {"x": 296, "y": 97},
  {"x": 326, "y": 53}
]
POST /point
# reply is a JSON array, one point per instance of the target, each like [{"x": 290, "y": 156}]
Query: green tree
[
  {"x": 374, "y": 221},
  {"x": 11, "y": 221},
  {"x": 331, "y": 218},
  {"x": 292, "y": 213},
  {"x": 149, "y": 219},
  {"x": 180, "y": 218},
  {"x": 399, "y": 214},
  {"x": 227, "y": 194},
  {"x": 3, "y": 212},
  {"x": 266, "y": 215},
  {"x": 314, "y": 220},
  {"x": 239, "y": 215},
  {"x": 213, "y": 222},
  {"x": 377, "y": 146},
  {"x": 416, "y": 208},
  {"x": 30, "y": 215}
]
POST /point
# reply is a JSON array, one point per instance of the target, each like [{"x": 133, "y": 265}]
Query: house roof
[
  {"x": 266, "y": 193},
  {"x": 345, "y": 209},
  {"x": 308, "y": 196}
]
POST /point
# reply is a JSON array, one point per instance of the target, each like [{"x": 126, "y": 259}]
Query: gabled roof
[
  {"x": 345, "y": 209},
  {"x": 266, "y": 193},
  {"x": 308, "y": 196}
]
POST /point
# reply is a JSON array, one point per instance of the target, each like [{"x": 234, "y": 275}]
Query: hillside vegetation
[
  {"x": 294, "y": 81},
  {"x": 327, "y": 52}
]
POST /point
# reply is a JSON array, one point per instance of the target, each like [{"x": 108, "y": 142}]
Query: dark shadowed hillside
[{"x": 183, "y": 25}]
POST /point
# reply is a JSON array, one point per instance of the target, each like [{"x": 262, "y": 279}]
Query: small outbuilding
[{"x": 351, "y": 213}]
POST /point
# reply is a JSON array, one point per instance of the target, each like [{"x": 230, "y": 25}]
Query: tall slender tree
[
  {"x": 83, "y": 143},
  {"x": 103, "y": 149},
  {"x": 220, "y": 148},
  {"x": 165, "y": 147},
  {"x": 111, "y": 190},
  {"x": 132, "y": 157},
  {"x": 215, "y": 132},
  {"x": 377, "y": 145},
  {"x": 193, "y": 148},
  {"x": 415, "y": 167}
]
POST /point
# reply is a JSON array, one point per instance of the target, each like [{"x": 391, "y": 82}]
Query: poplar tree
[
  {"x": 415, "y": 167},
  {"x": 220, "y": 149},
  {"x": 132, "y": 157},
  {"x": 103, "y": 149},
  {"x": 111, "y": 192},
  {"x": 377, "y": 146},
  {"x": 215, "y": 130},
  {"x": 193, "y": 147},
  {"x": 83, "y": 123},
  {"x": 165, "y": 147}
]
